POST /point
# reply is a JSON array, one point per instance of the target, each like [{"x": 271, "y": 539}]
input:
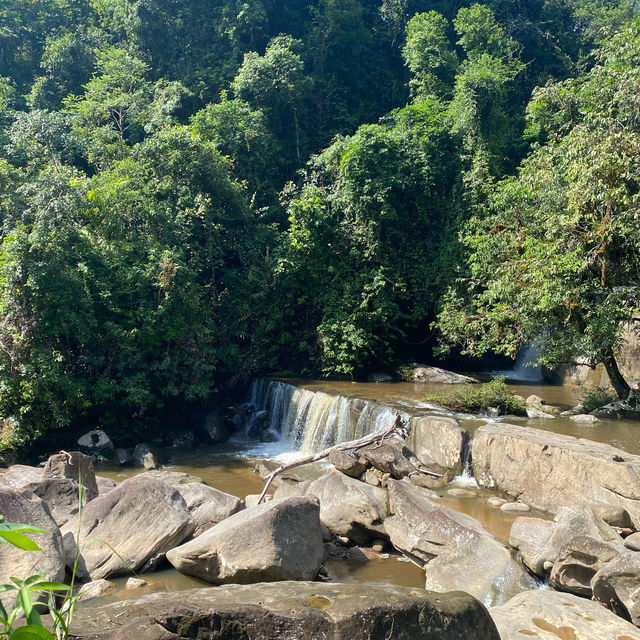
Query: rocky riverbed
[{"x": 580, "y": 538}]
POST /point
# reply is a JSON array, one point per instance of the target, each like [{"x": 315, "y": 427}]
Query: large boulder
[
  {"x": 549, "y": 615},
  {"x": 617, "y": 586},
  {"x": 348, "y": 507},
  {"x": 20, "y": 505},
  {"x": 97, "y": 444},
  {"x": 274, "y": 541},
  {"x": 390, "y": 457},
  {"x": 77, "y": 467},
  {"x": 435, "y": 375},
  {"x": 530, "y": 536},
  {"x": 293, "y": 610},
  {"x": 548, "y": 471},
  {"x": 347, "y": 463},
  {"x": 454, "y": 549},
  {"x": 207, "y": 505},
  {"x": 21, "y": 475},
  {"x": 578, "y": 562},
  {"x": 130, "y": 528},
  {"x": 438, "y": 440}
]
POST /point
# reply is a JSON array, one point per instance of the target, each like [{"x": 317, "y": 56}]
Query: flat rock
[
  {"x": 207, "y": 505},
  {"x": 549, "y": 615},
  {"x": 174, "y": 478},
  {"x": 515, "y": 507},
  {"x": 293, "y": 610},
  {"x": 20, "y": 505},
  {"x": 548, "y": 471},
  {"x": 133, "y": 526},
  {"x": 454, "y": 549},
  {"x": 438, "y": 440},
  {"x": 279, "y": 540}
]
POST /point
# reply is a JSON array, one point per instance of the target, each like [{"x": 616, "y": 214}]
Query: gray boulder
[
  {"x": 550, "y": 615},
  {"x": 347, "y": 464},
  {"x": 390, "y": 457},
  {"x": 20, "y": 505},
  {"x": 292, "y": 611},
  {"x": 438, "y": 440},
  {"x": 97, "y": 589},
  {"x": 105, "y": 484},
  {"x": 77, "y": 467},
  {"x": 97, "y": 444},
  {"x": 21, "y": 475},
  {"x": 454, "y": 549},
  {"x": 549, "y": 471},
  {"x": 530, "y": 536},
  {"x": 207, "y": 505},
  {"x": 424, "y": 373},
  {"x": 279, "y": 540},
  {"x": 132, "y": 527},
  {"x": 215, "y": 427},
  {"x": 617, "y": 586},
  {"x": 578, "y": 562},
  {"x": 146, "y": 456},
  {"x": 174, "y": 478}
]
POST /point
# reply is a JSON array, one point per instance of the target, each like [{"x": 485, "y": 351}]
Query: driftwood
[{"x": 399, "y": 428}]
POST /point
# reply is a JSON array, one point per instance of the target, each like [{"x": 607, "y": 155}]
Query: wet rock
[
  {"x": 496, "y": 502},
  {"x": 424, "y": 373},
  {"x": 136, "y": 583},
  {"x": 182, "y": 440},
  {"x": 20, "y": 505},
  {"x": 530, "y": 536},
  {"x": 378, "y": 545},
  {"x": 347, "y": 464},
  {"x": 617, "y": 586},
  {"x": 215, "y": 427},
  {"x": 147, "y": 456},
  {"x": 137, "y": 522},
  {"x": 515, "y": 507},
  {"x": 577, "y": 563},
  {"x": 379, "y": 376},
  {"x": 548, "y": 471},
  {"x": 629, "y": 408},
  {"x": 455, "y": 549},
  {"x": 124, "y": 456},
  {"x": 428, "y": 481},
  {"x": 584, "y": 418},
  {"x": 207, "y": 505},
  {"x": 538, "y": 412},
  {"x": 97, "y": 589},
  {"x": 438, "y": 440},
  {"x": 550, "y": 615},
  {"x": 458, "y": 492},
  {"x": 257, "y": 424},
  {"x": 270, "y": 436},
  {"x": 97, "y": 444},
  {"x": 292, "y": 610},
  {"x": 537, "y": 405},
  {"x": 274, "y": 541}
]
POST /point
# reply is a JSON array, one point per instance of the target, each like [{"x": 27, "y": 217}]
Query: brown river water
[{"x": 231, "y": 469}]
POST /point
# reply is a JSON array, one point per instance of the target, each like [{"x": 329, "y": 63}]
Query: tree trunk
[{"x": 619, "y": 384}]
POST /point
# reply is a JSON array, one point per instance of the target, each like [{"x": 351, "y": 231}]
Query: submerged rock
[
  {"x": 550, "y": 615},
  {"x": 274, "y": 541},
  {"x": 291, "y": 611}
]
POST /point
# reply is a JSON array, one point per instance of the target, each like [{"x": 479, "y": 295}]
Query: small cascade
[
  {"x": 466, "y": 478},
  {"x": 313, "y": 420},
  {"x": 522, "y": 370}
]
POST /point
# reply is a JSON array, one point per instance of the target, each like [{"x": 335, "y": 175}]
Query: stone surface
[
  {"x": 278, "y": 540},
  {"x": 20, "y": 505},
  {"x": 215, "y": 427},
  {"x": 549, "y": 615},
  {"x": 389, "y": 458},
  {"x": 349, "y": 507},
  {"x": 455, "y": 549},
  {"x": 439, "y": 440},
  {"x": 77, "y": 467},
  {"x": 515, "y": 507},
  {"x": 424, "y": 373},
  {"x": 140, "y": 519},
  {"x": 96, "y": 444},
  {"x": 584, "y": 418},
  {"x": 617, "y": 586},
  {"x": 96, "y": 589},
  {"x": 20, "y": 475},
  {"x": 207, "y": 505},
  {"x": 496, "y": 502},
  {"x": 105, "y": 484},
  {"x": 577, "y": 563},
  {"x": 135, "y": 583},
  {"x": 292, "y": 611},
  {"x": 530, "y": 536},
  {"x": 347, "y": 464},
  {"x": 174, "y": 478},
  {"x": 548, "y": 471},
  {"x": 633, "y": 542}
]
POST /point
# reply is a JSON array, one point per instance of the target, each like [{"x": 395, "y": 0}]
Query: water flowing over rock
[
  {"x": 292, "y": 611},
  {"x": 132, "y": 526},
  {"x": 548, "y": 471},
  {"x": 455, "y": 549},
  {"x": 273, "y": 541},
  {"x": 549, "y": 615},
  {"x": 314, "y": 420}
]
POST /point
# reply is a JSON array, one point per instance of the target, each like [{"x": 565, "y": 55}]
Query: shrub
[
  {"x": 478, "y": 398},
  {"x": 596, "y": 398}
]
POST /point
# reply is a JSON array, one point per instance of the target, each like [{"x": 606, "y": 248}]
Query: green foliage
[
  {"x": 479, "y": 398},
  {"x": 13, "y": 533},
  {"x": 595, "y": 398}
]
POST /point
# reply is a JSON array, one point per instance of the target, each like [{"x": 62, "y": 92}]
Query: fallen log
[{"x": 399, "y": 428}]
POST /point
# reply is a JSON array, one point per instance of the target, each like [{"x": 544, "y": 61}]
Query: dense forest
[{"x": 195, "y": 192}]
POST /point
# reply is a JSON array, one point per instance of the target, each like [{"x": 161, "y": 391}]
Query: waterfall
[
  {"x": 522, "y": 370},
  {"x": 314, "y": 420}
]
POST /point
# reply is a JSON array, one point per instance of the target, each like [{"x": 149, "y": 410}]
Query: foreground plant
[{"x": 474, "y": 398}]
